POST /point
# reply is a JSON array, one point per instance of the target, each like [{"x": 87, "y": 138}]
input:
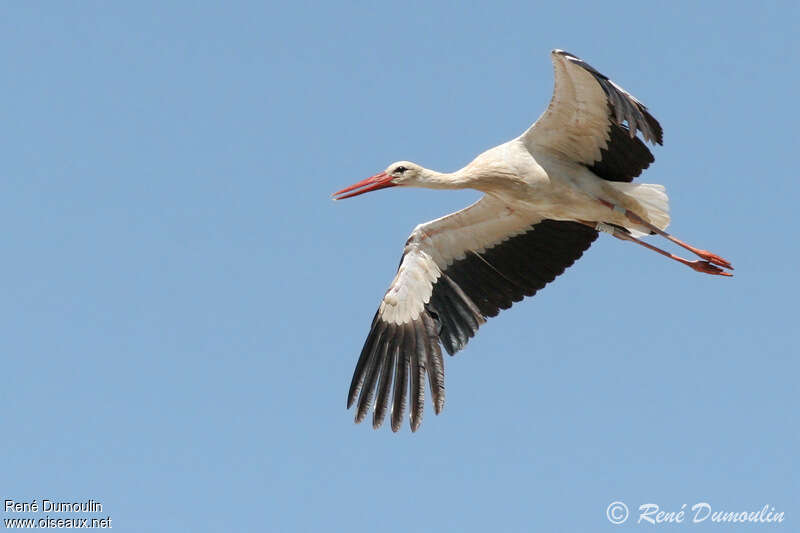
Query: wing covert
[{"x": 594, "y": 121}]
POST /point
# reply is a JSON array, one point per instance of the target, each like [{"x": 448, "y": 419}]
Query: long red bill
[{"x": 373, "y": 183}]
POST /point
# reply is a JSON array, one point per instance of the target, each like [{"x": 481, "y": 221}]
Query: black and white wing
[
  {"x": 455, "y": 272},
  {"x": 594, "y": 121}
]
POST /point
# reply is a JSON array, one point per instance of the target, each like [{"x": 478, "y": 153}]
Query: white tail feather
[{"x": 653, "y": 199}]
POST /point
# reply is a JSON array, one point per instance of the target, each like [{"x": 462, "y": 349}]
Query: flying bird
[{"x": 547, "y": 194}]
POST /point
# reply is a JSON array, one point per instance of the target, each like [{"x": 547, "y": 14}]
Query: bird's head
[{"x": 399, "y": 173}]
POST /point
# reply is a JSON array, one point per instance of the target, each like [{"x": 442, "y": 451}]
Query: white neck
[
  {"x": 466, "y": 178},
  {"x": 430, "y": 179}
]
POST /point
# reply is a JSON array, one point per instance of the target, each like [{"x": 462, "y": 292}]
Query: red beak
[{"x": 373, "y": 183}]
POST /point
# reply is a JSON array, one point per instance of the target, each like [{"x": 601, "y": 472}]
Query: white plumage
[{"x": 547, "y": 192}]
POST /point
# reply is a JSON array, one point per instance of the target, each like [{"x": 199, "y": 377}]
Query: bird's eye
[{"x": 400, "y": 170}]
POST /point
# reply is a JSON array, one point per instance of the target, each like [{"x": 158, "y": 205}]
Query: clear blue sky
[{"x": 182, "y": 303}]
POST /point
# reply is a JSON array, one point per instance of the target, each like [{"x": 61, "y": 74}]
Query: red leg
[
  {"x": 705, "y": 254},
  {"x": 705, "y": 267}
]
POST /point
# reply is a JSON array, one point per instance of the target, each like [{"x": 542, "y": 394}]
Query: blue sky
[{"x": 183, "y": 305}]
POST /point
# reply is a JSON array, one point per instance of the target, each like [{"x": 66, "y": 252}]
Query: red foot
[
  {"x": 707, "y": 268},
  {"x": 713, "y": 258}
]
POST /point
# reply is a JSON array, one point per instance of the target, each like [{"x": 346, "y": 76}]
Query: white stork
[{"x": 547, "y": 194}]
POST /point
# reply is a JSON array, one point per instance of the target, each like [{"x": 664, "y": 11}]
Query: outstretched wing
[
  {"x": 455, "y": 272},
  {"x": 594, "y": 121}
]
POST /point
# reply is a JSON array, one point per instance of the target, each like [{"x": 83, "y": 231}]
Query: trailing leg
[{"x": 633, "y": 217}]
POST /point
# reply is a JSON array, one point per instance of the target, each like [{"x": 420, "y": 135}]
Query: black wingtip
[{"x": 559, "y": 52}]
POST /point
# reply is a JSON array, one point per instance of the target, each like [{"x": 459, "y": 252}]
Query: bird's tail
[{"x": 652, "y": 199}]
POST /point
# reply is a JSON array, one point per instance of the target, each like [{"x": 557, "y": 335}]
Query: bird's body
[
  {"x": 547, "y": 186},
  {"x": 547, "y": 194}
]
